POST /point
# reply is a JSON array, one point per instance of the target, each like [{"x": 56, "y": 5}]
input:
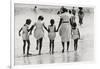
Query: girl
[
  {"x": 25, "y": 36},
  {"x": 75, "y": 35},
  {"x": 72, "y": 19},
  {"x": 39, "y": 32},
  {"x": 65, "y": 28},
  {"x": 73, "y": 11},
  {"x": 52, "y": 35},
  {"x": 81, "y": 15}
]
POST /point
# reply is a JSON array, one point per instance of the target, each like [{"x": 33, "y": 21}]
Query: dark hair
[
  {"x": 40, "y": 18},
  {"x": 74, "y": 25},
  {"x": 80, "y": 8},
  {"x": 64, "y": 10},
  {"x": 35, "y": 6},
  {"x": 28, "y": 21},
  {"x": 52, "y": 21},
  {"x": 73, "y": 7},
  {"x": 70, "y": 11}
]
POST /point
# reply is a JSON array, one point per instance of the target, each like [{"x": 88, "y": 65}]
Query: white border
[
  {"x": 12, "y": 31},
  {"x": 12, "y": 34}
]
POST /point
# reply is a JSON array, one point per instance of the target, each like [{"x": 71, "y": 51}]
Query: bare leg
[
  {"x": 81, "y": 20},
  {"x": 75, "y": 44},
  {"x": 68, "y": 45},
  {"x": 52, "y": 46},
  {"x": 63, "y": 47},
  {"x": 24, "y": 44},
  {"x": 37, "y": 44},
  {"x": 28, "y": 47},
  {"x": 40, "y": 40}
]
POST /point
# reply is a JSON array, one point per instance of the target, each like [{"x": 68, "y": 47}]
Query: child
[
  {"x": 81, "y": 15},
  {"x": 35, "y": 9},
  {"x": 25, "y": 36},
  {"x": 73, "y": 11},
  {"x": 72, "y": 19},
  {"x": 52, "y": 35},
  {"x": 39, "y": 32},
  {"x": 75, "y": 35}
]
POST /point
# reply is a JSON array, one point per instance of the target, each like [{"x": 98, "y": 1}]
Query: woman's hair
[
  {"x": 64, "y": 9},
  {"x": 28, "y": 21},
  {"x": 52, "y": 21},
  {"x": 40, "y": 18},
  {"x": 80, "y": 8}
]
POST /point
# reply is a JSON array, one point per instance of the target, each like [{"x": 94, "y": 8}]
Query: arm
[
  {"x": 55, "y": 29},
  {"x": 71, "y": 33},
  {"x": 79, "y": 33},
  {"x": 48, "y": 29},
  {"x": 30, "y": 30},
  {"x": 20, "y": 31},
  {"x": 59, "y": 24},
  {"x": 45, "y": 27},
  {"x": 70, "y": 22},
  {"x": 58, "y": 12}
]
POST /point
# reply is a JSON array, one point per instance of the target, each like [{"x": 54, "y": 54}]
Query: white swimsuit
[
  {"x": 51, "y": 34},
  {"x": 25, "y": 34},
  {"x": 75, "y": 34},
  {"x": 38, "y": 33}
]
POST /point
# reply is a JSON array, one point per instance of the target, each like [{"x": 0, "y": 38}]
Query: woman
[{"x": 64, "y": 27}]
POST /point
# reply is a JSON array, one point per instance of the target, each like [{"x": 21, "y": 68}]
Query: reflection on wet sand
[
  {"x": 47, "y": 58},
  {"x": 72, "y": 57},
  {"x": 26, "y": 60}
]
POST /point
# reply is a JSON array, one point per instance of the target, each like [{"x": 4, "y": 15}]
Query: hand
[{"x": 19, "y": 34}]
